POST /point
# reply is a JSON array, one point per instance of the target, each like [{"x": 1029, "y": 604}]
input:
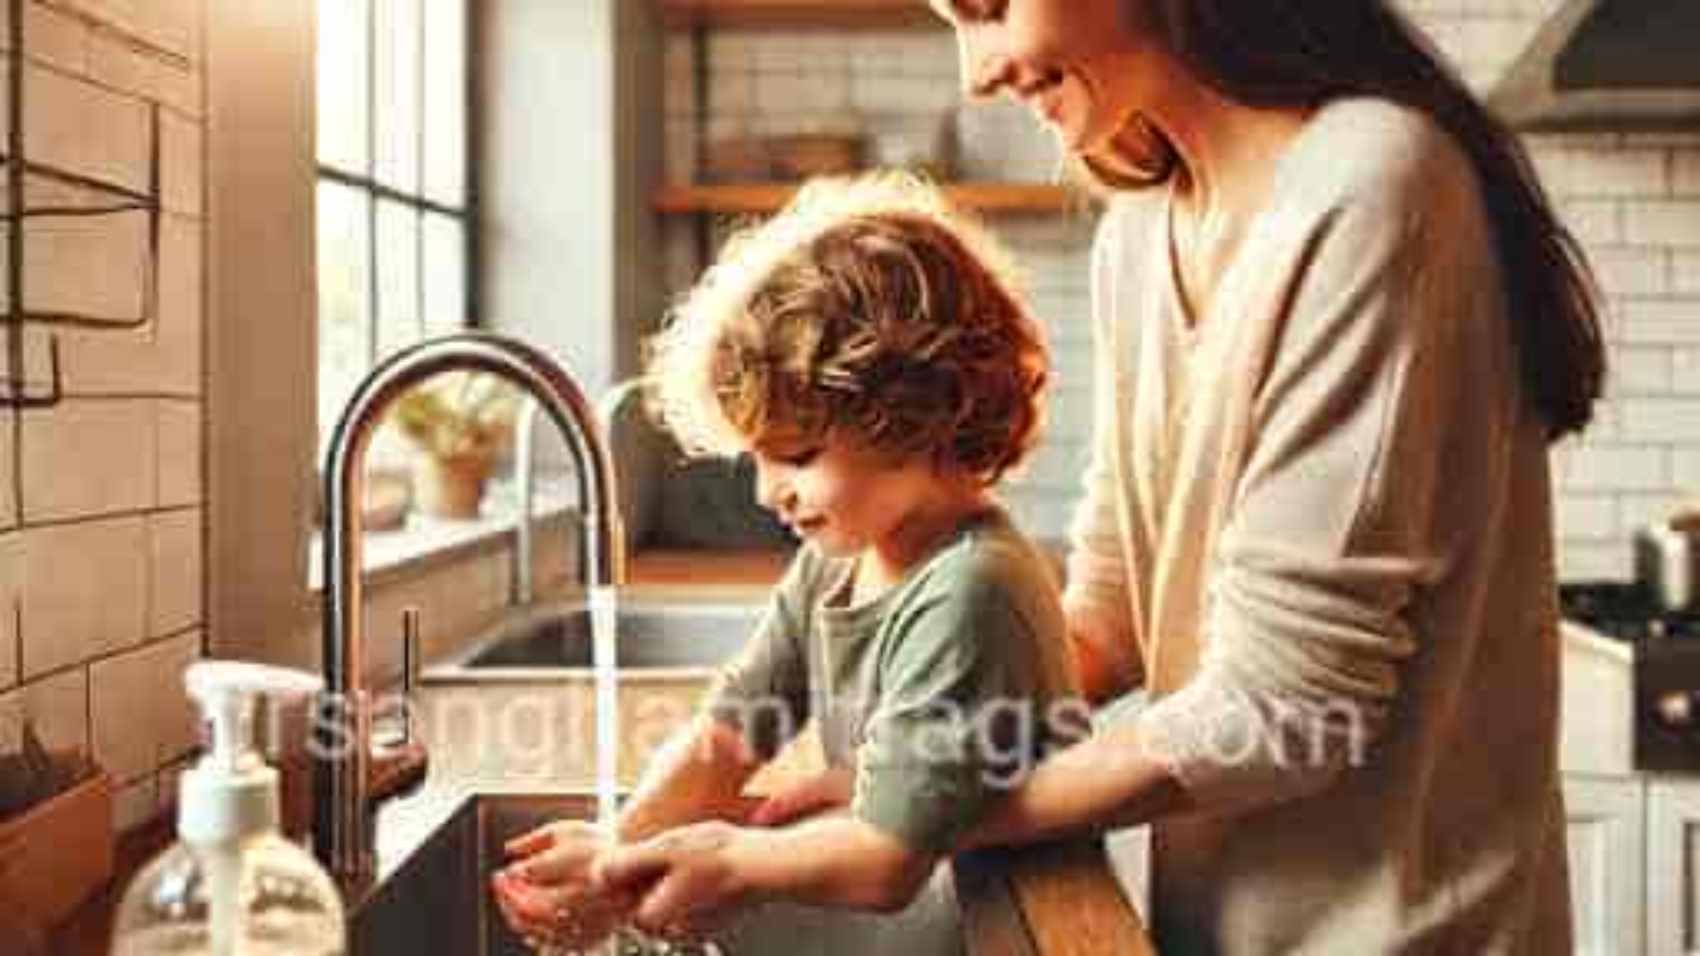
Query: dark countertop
[{"x": 1056, "y": 899}]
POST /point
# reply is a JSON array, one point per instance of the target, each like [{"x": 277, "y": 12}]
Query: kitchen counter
[
  {"x": 1051, "y": 900},
  {"x": 1058, "y": 899},
  {"x": 1597, "y": 717},
  {"x": 1054, "y": 899},
  {"x": 701, "y": 574}
]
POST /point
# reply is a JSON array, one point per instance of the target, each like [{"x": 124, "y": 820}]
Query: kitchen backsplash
[
  {"x": 1633, "y": 200},
  {"x": 101, "y": 496}
]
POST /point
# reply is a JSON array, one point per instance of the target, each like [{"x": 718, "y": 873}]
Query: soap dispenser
[{"x": 233, "y": 885}]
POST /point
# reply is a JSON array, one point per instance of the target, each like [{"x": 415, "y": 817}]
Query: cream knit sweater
[{"x": 1322, "y": 516}]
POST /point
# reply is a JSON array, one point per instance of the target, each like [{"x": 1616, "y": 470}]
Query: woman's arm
[
  {"x": 1106, "y": 663},
  {"x": 1103, "y": 635},
  {"x": 1107, "y": 780}
]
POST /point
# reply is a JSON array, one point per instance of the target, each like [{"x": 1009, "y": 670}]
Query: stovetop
[{"x": 1624, "y": 611}]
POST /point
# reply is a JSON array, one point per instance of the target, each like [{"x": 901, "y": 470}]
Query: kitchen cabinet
[
  {"x": 1673, "y": 868},
  {"x": 1634, "y": 864},
  {"x": 1606, "y": 824}
]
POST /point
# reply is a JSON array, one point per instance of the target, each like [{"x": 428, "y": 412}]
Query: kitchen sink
[
  {"x": 515, "y": 709},
  {"x": 650, "y": 636},
  {"x": 437, "y": 901}
]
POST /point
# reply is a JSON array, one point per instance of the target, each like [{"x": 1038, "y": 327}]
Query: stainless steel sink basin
[
  {"x": 515, "y": 709},
  {"x": 437, "y": 903},
  {"x": 650, "y": 636}
]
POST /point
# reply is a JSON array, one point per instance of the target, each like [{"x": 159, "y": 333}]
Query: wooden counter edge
[{"x": 1052, "y": 899}]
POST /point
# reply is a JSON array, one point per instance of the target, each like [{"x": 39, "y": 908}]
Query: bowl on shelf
[
  {"x": 736, "y": 159},
  {"x": 806, "y": 155}
]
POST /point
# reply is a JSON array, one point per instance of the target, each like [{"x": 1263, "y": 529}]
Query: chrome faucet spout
[
  {"x": 343, "y": 793},
  {"x": 521, "y": 588}
]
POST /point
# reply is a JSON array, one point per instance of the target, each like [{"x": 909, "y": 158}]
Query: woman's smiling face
[{"x": 1075, "y": 63}]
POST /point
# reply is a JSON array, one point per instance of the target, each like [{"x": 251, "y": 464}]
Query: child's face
[{"x": 843, "y": 497}]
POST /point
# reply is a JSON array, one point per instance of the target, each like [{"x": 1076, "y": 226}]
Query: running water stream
[{"x": 604, "y": 661}]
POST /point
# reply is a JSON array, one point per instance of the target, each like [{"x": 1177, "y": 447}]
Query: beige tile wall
[
  {"x": 102, "y": 512},
  {"x": 1634, "y": 201}
]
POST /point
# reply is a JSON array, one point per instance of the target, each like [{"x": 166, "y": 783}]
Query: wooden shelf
[
  {"x": 760, "y": 198},
  {"x": 866, "y": 14}
]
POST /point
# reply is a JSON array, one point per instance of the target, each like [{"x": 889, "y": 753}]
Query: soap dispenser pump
[{"x": 233, "y": 885}]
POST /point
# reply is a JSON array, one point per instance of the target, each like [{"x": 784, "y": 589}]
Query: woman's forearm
[
  {"x": 1102, "y": 782},
  {"x": 699, "y": 775},
  {"x": 835, "y": 861}
]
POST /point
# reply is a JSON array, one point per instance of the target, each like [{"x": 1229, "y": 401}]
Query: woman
[{"x": 1338, "y": 325}]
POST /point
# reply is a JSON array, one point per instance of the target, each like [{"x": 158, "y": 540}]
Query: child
[{"x": 866, "y": 350}]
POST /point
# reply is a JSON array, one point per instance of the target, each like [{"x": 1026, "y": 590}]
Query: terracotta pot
[{"x": 450, "y": 487}]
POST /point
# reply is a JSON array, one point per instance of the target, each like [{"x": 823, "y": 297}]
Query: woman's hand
[
  {"x": 827, "y": 790},
  {"x": 691, "y": 878},
  {"x": 547, "y": 894}
]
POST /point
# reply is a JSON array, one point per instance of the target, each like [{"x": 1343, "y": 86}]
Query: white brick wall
[
  {"x": 1633, "y": 201},
  {"x": 101, "y": 497}
]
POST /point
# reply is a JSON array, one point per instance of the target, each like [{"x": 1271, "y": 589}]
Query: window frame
[{"x": 376, "y": 192}]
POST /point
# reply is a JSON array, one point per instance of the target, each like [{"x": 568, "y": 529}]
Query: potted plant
[{"x": 460, "y": 424}]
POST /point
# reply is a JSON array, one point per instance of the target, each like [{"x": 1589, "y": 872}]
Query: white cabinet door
[
  {"x": 1605, "y": 818},
  {"x": 1673, "y": 868}
]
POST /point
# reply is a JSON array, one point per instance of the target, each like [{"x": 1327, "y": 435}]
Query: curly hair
[{"x": 867, "y": 310}]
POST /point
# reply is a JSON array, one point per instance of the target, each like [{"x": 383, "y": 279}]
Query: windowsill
[{"x": 424, "y": 541}]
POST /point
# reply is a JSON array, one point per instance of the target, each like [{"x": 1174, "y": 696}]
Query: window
[{"x": 394, "y": 200}]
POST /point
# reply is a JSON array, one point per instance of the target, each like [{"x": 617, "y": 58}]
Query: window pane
[
  {"x": 398, "y": 276},
  {"x": 345, "y": 307},
  {"x": 445, "y": 274},
  {"x": 445, "y": 99},
  {"x": 343, "y": 67},
  {"x": 398, "y": 40}
]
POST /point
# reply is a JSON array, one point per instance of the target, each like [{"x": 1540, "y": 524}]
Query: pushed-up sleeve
[
  {"x": 949, "y": 728},
  {"x": 763, "y": 692},
  {"x": 1332, "y": 524},
  {"x": 1097, "y": 593}
]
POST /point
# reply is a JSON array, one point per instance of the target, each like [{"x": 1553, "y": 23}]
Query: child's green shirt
[{"x": 939, "y": 693}]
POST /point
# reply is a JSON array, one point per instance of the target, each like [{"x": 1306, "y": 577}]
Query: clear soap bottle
[{"x": 233, "y": 885}]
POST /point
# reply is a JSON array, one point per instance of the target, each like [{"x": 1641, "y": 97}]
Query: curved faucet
[
  {"x": 520, "y": 586},
  {"x": 343, "y": 797}
]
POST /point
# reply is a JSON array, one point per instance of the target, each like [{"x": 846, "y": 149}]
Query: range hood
[{"x": 1617, "y": 65}]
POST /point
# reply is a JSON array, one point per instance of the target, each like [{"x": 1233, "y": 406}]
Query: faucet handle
[
  {"x": 410, "y": 662},
  {"x": 398, "y": 764}
]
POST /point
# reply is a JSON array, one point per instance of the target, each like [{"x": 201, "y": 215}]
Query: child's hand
[
  {"x": 547, "y": 894},
  {"x": 691, "y": 878},
  {"x": 827, "y": 790}
]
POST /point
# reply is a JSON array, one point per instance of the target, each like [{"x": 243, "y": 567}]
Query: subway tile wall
[
  {"x": 101, "y": 496},
  {"x": 1633, "y": 200}
]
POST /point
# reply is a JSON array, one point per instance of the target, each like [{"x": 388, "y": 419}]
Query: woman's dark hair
[{"x": 1287, "y": 52}]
